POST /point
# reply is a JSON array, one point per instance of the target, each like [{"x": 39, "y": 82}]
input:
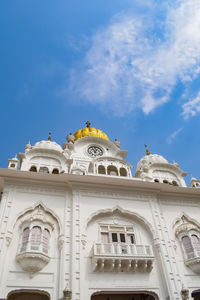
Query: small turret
[
  {"x": 195, "y": 183},
  {"x": 13, "y": 163}
]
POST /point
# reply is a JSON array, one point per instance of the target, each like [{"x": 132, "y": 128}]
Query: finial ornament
[
  {"x": 70, "y": 138},
  {"x": 88, "y": 124},
  {"x": 49, "y": 138},
  {"x": 117, "y": 143},
  {"x": 147, "y": 151}
]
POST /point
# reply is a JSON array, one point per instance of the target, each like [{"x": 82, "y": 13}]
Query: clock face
[{"x": 95, "y": 151}]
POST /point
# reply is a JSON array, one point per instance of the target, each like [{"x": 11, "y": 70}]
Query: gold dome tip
[{"x": 88, "y": 124}]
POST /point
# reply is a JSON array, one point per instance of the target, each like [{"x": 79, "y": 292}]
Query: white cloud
[
  {"x": 131, "y": 64},
  {"x": 192, "y": 107},
  {"x": 171, "y": 138}
]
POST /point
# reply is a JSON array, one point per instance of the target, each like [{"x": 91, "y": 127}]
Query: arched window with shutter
[
  {"x": 35, "y": 238},
  {"x": 25, "y": 239},
  {"x": 187, "y": 245},
  {"x": 195, "y": 242},
  {"x": 45, "y": 240}
]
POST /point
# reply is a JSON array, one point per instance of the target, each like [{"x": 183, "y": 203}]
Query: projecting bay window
[
  {"x": 36, "y": 229},
  {"x": 188, "y": 233},
  {"x": 35, "y": 238},
  {"x": 191, "y": 245}
]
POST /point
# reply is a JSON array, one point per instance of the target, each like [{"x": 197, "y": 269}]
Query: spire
[
  {"x": 88, "y": 124},
  {"x": 147, "y": 151},
  {"x": 49, "y": 138}
]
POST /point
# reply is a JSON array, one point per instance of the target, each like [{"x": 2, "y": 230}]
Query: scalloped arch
[
  {"x": 32, "y": 208},
  {"x": 183, "y": 214},
  {"x": 124, "y": 212}
]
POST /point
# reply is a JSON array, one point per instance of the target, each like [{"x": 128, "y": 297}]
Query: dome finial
[
  {"x": 49, "y": 138},
  {"x": 147, "y": 151},
  {"x": 88, "y": 124}
]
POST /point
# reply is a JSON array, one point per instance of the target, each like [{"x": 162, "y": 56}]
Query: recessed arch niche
[
  {"x": 124, "y": 295},
  {"x": 24, "y": 294}
]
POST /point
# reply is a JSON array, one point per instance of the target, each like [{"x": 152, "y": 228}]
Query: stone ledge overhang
[{"x": 72, "y": 180}]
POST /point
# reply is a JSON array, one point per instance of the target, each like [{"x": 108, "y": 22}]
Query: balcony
[
  {"x": 114, "y": 257},
  {"x": 192, "y": 260}
]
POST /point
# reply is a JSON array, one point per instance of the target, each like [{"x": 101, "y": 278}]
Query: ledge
[{"x": 72, "y": 180}]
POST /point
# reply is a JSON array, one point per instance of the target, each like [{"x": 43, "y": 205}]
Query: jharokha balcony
[{"x": 122, "y": 257}]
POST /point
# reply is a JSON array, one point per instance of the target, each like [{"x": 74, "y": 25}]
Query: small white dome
[
  {"x": 49, "y": 145},
  {"x": 148, "y": 160}
]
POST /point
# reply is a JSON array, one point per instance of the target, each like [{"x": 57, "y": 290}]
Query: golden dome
[{"x": 90, "y": 131}]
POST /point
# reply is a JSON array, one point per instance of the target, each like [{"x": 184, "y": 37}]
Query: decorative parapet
[{"x": 122, "y": 257}]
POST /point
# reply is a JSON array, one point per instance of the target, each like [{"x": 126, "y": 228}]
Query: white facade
[{"x": 75, "y": 219}]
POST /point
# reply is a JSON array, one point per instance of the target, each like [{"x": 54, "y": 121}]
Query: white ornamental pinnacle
[
  {"x": 117, "y": 143},
  {"x": 70, "y": 138}
]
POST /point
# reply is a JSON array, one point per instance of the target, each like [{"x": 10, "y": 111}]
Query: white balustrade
[
  {"x": 117, "y": 249},
  {"x": 122, "y": 257}
]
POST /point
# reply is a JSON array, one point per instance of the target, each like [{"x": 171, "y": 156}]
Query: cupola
[
  {"x": 155, "y": 168},
  {"x": 13, "y": 163},
  {"x": 89, "y": 131}
]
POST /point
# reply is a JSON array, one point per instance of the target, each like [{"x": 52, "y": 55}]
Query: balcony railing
[{"x": 122, "y": 257}]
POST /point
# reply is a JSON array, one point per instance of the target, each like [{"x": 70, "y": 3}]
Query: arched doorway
[
  {"x": 28, "y": 294},
  {"x": 196, "y": 294},
  {"x": 130, "y": 295}
]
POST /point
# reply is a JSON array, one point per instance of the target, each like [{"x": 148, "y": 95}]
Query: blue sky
[{"x": 130, "y": 67}]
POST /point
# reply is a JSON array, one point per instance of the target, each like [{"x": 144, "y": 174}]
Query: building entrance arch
[
  {"x": 124, "y": 295},
  {"x": 196, "y": 294},
  {"x": 28, "y": 294}
]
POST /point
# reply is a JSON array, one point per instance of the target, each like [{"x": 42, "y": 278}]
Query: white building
[{"x": 76, "y": 224}]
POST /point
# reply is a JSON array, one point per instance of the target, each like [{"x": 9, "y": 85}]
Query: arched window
[
  {"x": 12, "y": 165},
  {"x": 112, "y": 170},
  {"x": 45, "y": 240},
  {"x": 25, "y": 239},
  {"x": 117, "y": 234},
  {"x": 195, "y": 242},
  {"x": 156, "y": 180},
  {"x": 187, "y": 244},
  {"x": 165, "y": 181},
  {"x": 33, "y": 169},
  {"x": 101, "y": 170},
  {"x": 174, "y": 183},
  {"x": 123, "y": 172},
  {"x": 44, "y": 170},
  {"x": 35, "y": 237},
  {"x": 55, "y": 171}
]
